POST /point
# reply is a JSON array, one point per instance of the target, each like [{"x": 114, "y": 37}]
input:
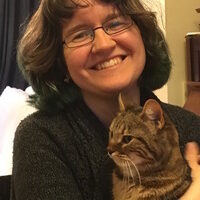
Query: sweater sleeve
[
  {"x": 40, "y": 171},
  {"x": 193, "y": 127}
]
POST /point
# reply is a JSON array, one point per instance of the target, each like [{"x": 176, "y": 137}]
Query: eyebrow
[{"x": 81, "y": 26}]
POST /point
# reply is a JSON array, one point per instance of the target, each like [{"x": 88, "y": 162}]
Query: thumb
[{"x": 192, "y": 155}]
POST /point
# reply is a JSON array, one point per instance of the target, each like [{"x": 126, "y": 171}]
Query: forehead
[
  {"x": 85, "y": 7},
  {"x": 84, "y": 2},
  {"x": 77, "y": 4},
  {"x": 89, "y": 11}
]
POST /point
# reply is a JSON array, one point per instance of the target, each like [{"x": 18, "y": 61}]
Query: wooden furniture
[
  {"x": 193, "y": 72},
  {"x": 193, "y": 97}
]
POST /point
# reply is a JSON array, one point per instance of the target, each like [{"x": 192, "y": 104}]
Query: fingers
[
  {"x": 192, "y": 148},
  {"x": 192, "y": 154}
]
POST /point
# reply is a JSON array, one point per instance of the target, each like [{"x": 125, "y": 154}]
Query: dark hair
[{"x": 40, "y": 51}]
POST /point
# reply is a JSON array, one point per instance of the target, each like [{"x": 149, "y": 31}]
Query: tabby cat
[{"x": 144, "y": 145}]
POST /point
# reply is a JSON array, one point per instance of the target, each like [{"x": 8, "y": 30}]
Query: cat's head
[{"x": 140, "y": 139}]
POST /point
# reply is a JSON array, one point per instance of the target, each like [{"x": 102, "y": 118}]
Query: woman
[{"x": 78, "y": 55}]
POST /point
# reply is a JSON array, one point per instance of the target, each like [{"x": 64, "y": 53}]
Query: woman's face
[{"x": 110, "y": 63}]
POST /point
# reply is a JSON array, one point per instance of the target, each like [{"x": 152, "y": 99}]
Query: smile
[{"x": 109, "y": 63}]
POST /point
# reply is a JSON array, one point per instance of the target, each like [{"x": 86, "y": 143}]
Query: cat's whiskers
[
  {"x": 124, "y": 172},
  {"x": 109, "y": 155},
  {"x": 130, "y": 172},
  {"x": 129, "y": 185},
  {"x": 125, "y": 175},
  {"x": 127, "y": 171},
  {"x": 123, "y": 166},
  {"x": 138, "y": 173}
]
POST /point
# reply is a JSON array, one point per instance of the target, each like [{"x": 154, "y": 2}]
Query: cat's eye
[{"x": 126, "y": 139}]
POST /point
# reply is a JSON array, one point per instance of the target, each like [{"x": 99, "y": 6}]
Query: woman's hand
[{"x": 192, "y": 155}]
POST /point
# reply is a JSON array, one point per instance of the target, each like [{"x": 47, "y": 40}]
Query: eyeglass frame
[{"x": 99, "y": 27}]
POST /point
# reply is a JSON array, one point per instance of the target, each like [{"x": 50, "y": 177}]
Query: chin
[{"x": 114, "y": 91}]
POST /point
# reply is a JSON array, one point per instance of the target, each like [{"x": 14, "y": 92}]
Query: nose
[
  {"x": 110, "y": 149},
  {"x": 113, "y": 147},
  {"x": 102, "y": 42}
]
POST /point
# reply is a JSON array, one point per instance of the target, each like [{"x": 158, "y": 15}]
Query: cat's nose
[{"x": 110, "y": 149}]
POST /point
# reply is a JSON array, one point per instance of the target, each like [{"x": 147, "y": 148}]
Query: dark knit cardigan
[{"x": 62, "y": 156}]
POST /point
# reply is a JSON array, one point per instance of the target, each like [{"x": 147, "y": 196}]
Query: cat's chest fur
[{"x": 144, "y": 146}]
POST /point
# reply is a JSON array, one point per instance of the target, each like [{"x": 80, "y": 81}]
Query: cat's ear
[
  {"x": 153, "y": 111},
  {"x": 121, "y": 103},
  {"x": 125, "y": 102}
]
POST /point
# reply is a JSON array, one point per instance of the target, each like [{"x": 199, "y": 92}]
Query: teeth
[{"x": 109, "y": 63}]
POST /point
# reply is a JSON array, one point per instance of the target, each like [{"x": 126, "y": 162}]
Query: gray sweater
[{"x": 62, "y": 156}]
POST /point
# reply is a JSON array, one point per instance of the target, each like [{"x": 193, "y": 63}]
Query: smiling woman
[
  {"x": 95, "y": 72},
  {"x": 53, "y": 70},
  {"x": 78, "y": 55}
]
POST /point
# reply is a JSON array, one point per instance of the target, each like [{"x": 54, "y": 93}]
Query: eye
[
  {"x": 127, "y": 138},
  {"x": 116, "y": 24},
  {"x": 80, "y": 36}
]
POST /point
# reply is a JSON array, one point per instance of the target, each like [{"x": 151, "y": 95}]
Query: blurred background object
[{"x": 12, "y": 14}]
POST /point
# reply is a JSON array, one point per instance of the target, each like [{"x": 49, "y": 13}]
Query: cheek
[
  {"x": 133, "y": 39},
  {"x": 75, "y": 60},
  {"x": 133, "y": 43},
  {"x": 137, "y": 46}
]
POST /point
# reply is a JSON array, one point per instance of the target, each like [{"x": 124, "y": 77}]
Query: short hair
[{"x": 41, "y": 59}]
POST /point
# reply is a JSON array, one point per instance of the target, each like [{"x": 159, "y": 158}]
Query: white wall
[
  {"x": 158, "y": 6},
  {"x": 181, "y": 18},
  {"x": 176, "y": 18}
]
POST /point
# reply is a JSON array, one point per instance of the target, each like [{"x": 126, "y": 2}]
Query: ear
[{"x": 153, "y": 111}]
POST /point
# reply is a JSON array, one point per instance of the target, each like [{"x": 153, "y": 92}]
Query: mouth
[{"x": 109, "y": 63}]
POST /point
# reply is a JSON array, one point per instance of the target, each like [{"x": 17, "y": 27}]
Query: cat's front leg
[{"x": 192, "y": 155}]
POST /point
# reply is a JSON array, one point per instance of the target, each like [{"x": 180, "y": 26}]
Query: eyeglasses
[{"x": 85, "y": 36}]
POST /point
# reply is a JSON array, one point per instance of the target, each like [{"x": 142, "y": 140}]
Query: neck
[{"x": 105, "y": 107}]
